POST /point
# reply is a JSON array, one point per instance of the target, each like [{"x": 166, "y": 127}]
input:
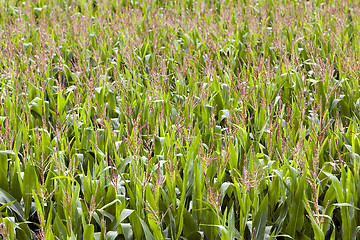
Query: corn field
[{"x": 179, "y": 119}]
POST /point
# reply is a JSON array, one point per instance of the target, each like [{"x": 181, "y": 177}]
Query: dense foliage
[{"x": 179, "y": 119}]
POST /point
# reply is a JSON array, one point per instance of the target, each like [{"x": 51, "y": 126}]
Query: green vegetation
[{"x": 183, "y": 119}]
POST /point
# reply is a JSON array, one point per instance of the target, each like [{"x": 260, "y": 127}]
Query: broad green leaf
[
  {"x": 89, "y": 231},
  {"x": 259, "y": 222},
  {"x": 148, "y": 234},
  {"x": 15, "y": 207}
]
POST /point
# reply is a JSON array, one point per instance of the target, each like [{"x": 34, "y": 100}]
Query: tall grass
[{"x": 179, "y": 119}]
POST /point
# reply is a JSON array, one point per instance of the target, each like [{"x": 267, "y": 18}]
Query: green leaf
[
  {"x": 124, "y": 214},
  {"x": 30, "y": 182},
  {"x": 4, "y": 182},
  {"x": 296, "y": 209},
  {"x": 89, "y": 232},
  {"x": 260, "y": 219},
  {"x": 59, "y": 228},
  {"x": 194, "y": 236},
  {"x": 189, "y": 223},
  {"x": 6, "y": 204},
  {"x": 111, "y": 235},
  {"x": 148, "y": 234},
  {"x": 15, "y": 207}
]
